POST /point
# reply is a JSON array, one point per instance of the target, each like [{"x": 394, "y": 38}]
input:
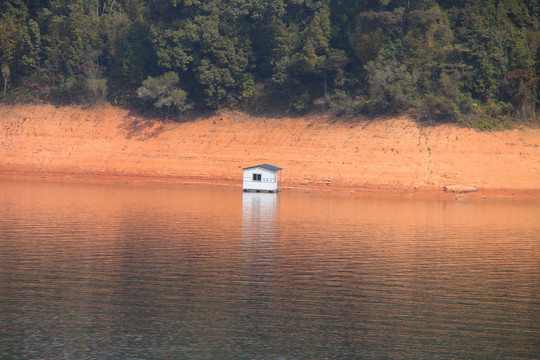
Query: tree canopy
[{"x": 474, "y": 62}]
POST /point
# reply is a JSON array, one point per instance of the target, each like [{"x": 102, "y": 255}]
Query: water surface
[{"x": 194, "y": 272}]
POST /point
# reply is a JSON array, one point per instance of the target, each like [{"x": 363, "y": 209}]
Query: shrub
[{"x": 163, "y": 93}]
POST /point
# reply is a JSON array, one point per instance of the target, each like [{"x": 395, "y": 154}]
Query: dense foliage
[{"x": 469, "y": 61}]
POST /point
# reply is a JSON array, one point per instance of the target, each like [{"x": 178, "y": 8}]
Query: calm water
[{"x": 193, "y": 272}]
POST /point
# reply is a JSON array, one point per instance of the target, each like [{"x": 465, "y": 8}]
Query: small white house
[{"x": 262, "y": 178}]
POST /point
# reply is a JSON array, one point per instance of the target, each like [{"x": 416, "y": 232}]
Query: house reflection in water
[
  {"x": 259, "y": 211},
  {"x": 259, "y": 234}
]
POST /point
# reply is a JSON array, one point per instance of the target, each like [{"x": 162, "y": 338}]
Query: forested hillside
[{"x": 475, "y": 62}]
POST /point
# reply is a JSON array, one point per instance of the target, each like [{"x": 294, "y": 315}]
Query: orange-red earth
[{"x": 393, "y": 156}]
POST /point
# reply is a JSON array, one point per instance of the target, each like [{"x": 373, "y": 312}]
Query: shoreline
[
  {"x": 396, "y": 158},
  {"x": 360, "y": 192}
]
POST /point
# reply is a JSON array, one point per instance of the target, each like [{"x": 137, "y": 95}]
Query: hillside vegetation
[{"x": 475, "y": 62}]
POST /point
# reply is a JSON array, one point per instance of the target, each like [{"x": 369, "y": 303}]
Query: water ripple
[{"x": 110, "y": 272}]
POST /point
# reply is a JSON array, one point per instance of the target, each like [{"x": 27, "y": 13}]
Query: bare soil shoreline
[{"x": 391, "y": 157}]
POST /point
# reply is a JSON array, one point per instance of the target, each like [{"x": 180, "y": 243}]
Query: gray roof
[{"x": 265, "y": 166}]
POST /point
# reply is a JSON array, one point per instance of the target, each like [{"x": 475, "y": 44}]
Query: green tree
[
  {"x": 304, "y": 56},
  {"x": 19, "y": 41},
  {"x": 392, "y": 87},
  {"x": 96, "y": 85},
  {"x": 208, "y": 42},
  {"x": 163, "y": 92},
  {"x": 70, "y": 34}
]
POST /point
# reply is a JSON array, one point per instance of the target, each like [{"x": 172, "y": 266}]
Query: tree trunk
[
  {"x": 324, "y": 72},
  {"x": 5, "y": 75}
]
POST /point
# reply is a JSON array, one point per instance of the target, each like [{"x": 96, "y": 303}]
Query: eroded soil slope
[{"x": 393, "y": 155}]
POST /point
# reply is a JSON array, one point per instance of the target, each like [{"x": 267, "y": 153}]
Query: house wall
[{"x": 269, "y": 180}]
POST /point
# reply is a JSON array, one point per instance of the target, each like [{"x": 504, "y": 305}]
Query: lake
[{"x": 207, "y": 272}]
